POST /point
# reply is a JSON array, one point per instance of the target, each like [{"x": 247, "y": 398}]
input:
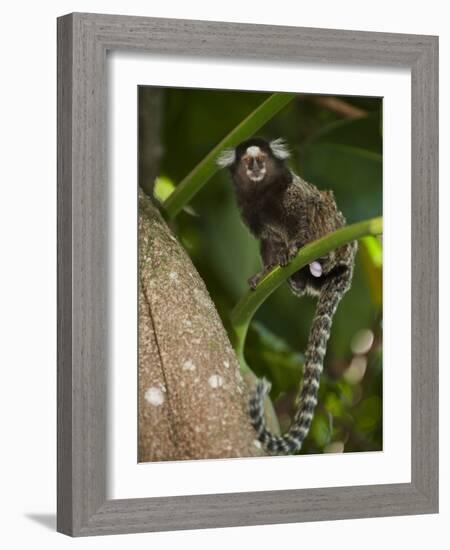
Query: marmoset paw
[
  {"x": 283, "y": 258},
  {"x": 292, "y": 252},
  {"x": 254, "y": 280}
]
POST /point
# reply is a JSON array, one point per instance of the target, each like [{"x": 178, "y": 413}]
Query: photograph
[{"x": 260, "y": 264}]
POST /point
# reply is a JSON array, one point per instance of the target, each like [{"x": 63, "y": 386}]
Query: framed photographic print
[{"x": 247, "y": 274}]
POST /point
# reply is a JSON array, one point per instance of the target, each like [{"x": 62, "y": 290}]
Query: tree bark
[{"x": 192, "y": 398}]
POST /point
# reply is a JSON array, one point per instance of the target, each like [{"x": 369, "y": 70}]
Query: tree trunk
[{"x": 192, "y": 398}]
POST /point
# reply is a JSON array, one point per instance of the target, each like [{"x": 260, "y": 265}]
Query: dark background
[{"x": 336, "y": 143}]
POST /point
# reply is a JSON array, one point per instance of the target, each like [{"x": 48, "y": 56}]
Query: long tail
[{"x": 291, "y": 442}]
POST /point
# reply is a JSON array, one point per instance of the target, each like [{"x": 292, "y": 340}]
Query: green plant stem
[
  {"x": 245, "y": 309},
  {"x": 197, "y": 178}
]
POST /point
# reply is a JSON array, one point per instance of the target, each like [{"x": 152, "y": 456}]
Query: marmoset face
[{"x": 254, "y": 161}]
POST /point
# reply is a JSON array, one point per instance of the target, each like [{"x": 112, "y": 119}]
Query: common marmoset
[{"x": 284, "y": 213}]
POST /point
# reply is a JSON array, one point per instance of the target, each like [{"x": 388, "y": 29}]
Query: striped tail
[{"x": 291, "y": 442}]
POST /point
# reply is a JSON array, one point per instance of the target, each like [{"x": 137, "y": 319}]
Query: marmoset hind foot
[{"x": 284, "y": 213}]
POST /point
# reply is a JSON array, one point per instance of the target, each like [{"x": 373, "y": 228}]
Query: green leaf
[
  {"x": 197, "y": 178},
  {"x": 275, "y": 359},
  {"x": 371, "y": 254},
  {"x": 321, "y": 430},
  {"x": 374, "y": 250},
  {"x": 368, "y": 414},
  {"x": 333, "y": 404},
  {"x": 163, "y": 188}
]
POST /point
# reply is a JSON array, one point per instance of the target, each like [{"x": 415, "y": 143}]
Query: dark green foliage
[{"x": 333, "y": 152}]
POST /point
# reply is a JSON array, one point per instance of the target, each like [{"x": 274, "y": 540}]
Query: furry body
[{"x": 284, "y": 213}]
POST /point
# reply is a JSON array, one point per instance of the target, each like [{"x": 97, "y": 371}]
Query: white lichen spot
[
  {"x": 257, "y": 444},
  {"x": 187, "y": 323},
  {"x": 154, "y": 396},
  {"x": 226, "y": 364},
  {"x": 189, "y": 365},
  {"x": 173, "y": 276},
  {"x": 215, "y": 381},
  {"x": 238, "y": 375}
]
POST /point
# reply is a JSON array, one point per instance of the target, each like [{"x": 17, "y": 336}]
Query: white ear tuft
[
  {"x": 226, "y": 158},
  {"x": 279, "y": 149}
]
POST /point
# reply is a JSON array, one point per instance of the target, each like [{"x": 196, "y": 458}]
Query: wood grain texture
[
  {"x": 424, "y": 261},
  {"x": 83, "y": 40},
  {"x": 64, "y": 329}
]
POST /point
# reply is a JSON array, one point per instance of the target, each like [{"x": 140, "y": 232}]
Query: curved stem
[
  {"x": 245, "y": 309},
  {"x": 197, "y": 178}
]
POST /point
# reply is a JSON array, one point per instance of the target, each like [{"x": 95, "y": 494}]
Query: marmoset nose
[{"x": 254, "y": 165}]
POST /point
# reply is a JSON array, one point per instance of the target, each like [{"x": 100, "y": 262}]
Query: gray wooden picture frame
[{"x": 83, "y": 41}]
